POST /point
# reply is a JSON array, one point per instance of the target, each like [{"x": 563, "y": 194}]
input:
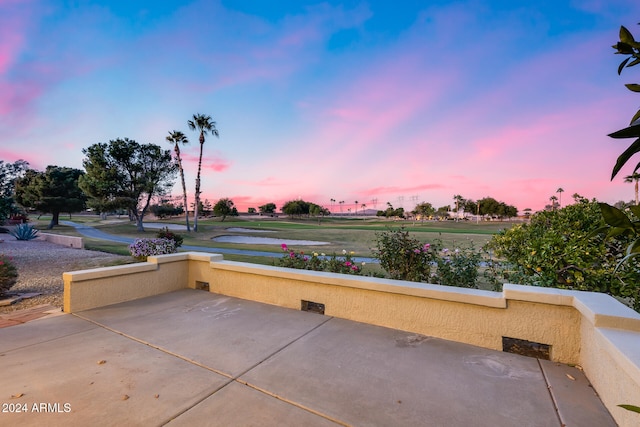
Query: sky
[{"x": 368, "y": 101}]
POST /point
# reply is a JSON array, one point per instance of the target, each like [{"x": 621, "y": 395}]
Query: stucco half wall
[{"x": 588, "y": 329}]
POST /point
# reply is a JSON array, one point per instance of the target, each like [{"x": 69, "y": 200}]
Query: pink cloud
[
  {"x": 216, "y": 165},
  {"x": 215, "y": 162}
]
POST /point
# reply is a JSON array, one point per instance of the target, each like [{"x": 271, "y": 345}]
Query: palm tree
[
  {"x": 205, "y": 125},
  {"x": 633, "y": 178},
  {"x": 553, "y": 200},
  {"x": 177, "y": 138},
  {"x": 458, "y": 199},
  {"x": 560, "y": 191},
  {"x": 356, "y": 207}
]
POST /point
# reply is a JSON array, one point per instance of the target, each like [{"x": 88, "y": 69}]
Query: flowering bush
[
  {"x": 8, "y": 274},
  {"x": 320, "y": 262},
  {"x": 403, "y": 257},
  {"x": 142, "y": 248},
  {"x": 458, "y": 267},
  {"x": 165, "y": 233}
]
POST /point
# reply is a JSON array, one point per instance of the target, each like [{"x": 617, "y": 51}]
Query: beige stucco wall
[
  {"x": 59, "y": 239},
  {"x": 375, "y": 301}
]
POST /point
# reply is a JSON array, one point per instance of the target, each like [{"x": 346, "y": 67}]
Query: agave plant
[{"x": 24, "y": 232}]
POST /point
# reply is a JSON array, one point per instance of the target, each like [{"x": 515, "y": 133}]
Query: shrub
[
  {"x": 320, "y": 262},
  {"x": 165, "y": 233},
  {"x": 403, "y": 257},
  {"x": 24, "y": 232},
  {"x": 8, "y": 274},
  {"x": 458, "y": 267},
  {"x": 556, "y": 249},
  {"x": 142, "y": 248}
]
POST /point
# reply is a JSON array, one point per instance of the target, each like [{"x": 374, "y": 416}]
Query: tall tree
[
  {"x": 458, "y": 199},
  {"x": 224, "y": 207},
  {"x": 9, "y": 174},
  {"x": 424, "y": 210},
  {"x": 126, "y": 175},
  {"x": 205, "y": 125},
  {"x": 560, "y": 191},
  {"x": 176, "y": 138},
  {"x": 634, "y": 177},
  {"x": 53, "y": 191},
  {"x": 267, "y": 209}
]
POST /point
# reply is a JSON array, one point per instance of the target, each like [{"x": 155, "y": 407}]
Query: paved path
[
  {"x": 94, "y": 233},
  {"x": 193, "y": 358}
]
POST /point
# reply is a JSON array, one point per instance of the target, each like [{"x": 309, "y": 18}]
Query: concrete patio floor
[{"x": 196, "y": 358}]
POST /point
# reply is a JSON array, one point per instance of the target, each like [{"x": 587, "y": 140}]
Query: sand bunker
[{"x": 253, "y": 240}]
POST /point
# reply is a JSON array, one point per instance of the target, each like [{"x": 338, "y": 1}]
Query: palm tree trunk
[
  {"x": 195, "y": 215},
  {"x": 184, "y": 194},
  {"x": 636, "y": 192}
]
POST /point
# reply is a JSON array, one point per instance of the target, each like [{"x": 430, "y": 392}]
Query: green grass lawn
[
  {"x": 356, "y": 235},
  {"x": 350, "y": 234}
]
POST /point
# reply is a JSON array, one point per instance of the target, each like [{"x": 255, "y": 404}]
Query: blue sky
[{"x": 374, "y": 101}]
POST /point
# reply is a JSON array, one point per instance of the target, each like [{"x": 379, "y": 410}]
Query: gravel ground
[{"x": 40, "y": 266}]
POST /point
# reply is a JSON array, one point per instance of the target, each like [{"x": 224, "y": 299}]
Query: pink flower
[
  {"x": 292, "y": 255},
  {"x": 347, "y": 264},
  {"x": 426, "y": 246},
  {"x": 284, "y": 246},
  {"x": 306, "y": 258},
  {"x": 416, "y": 251}
]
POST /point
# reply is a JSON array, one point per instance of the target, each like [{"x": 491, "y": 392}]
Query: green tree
[
  {"x": 558, "y": 248},
  {"x": 443, "y": 211},
  {"x": 492, "y": 207},
  {"x": 267, "y": 209},
  {"x": 318, "y": 211},
  {"x": 295, "y": 208},
  {"x": 9, "y": 173},
  {"x": 124, "y": 174},
  {"x": 224, "y": 207},
  {"x": 470, "y": 206},
  {"x": 176, "y": 138},
  {"x": 459, "y": 200},
  {"x": 53, "y": 191},
  {"x": 630, "y": 48},
  {"x": 205, "y": 125},
  {"x": 424, "y": 210}
]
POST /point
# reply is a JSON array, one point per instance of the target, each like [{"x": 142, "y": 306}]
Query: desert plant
[
  {"x": 142, "y": 248},
  {"x": 8, "y": 274},
  {"x": 165, "y": 233},
  {"x": 24, "y": 232}
]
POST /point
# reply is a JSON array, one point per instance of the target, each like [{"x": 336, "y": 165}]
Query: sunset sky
[{"x": 374, "y": 101}]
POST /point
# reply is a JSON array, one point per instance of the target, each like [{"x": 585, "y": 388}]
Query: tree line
[{"x": 120, "y": 175}]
